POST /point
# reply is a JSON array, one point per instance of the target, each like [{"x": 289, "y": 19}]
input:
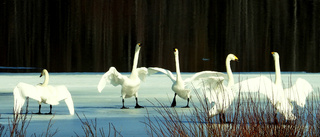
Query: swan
[
  {"x": 297, "y": 92},
  {"x": 180, "y": 86},
  {"x": 218, "y": 93},
  {"x": 43, "y": 93},
  {"x": 131, "y": 84},
  {"x": 273, "y": 91}
]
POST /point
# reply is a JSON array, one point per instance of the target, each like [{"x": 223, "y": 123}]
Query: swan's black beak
[{"x": 40, "y": 75}]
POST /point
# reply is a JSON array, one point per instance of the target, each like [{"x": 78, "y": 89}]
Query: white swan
[
  {"x": 297, "y": 92},
  {"x": 131, "y": 84},
  {"x": 216, "y": 92},
  {"x": 273, "y": 91},
  {"x": 179, "y": 85},
  {"x": 43, "y": 93}
]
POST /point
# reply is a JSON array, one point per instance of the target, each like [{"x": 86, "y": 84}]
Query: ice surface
[{"x": 105, "y": 106}]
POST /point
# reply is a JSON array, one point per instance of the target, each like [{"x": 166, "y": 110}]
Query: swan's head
[
  {"x": 44, "y": 72},
  {"x": 232, "y": 57},
  {"x": 175, "y": 51},
  {"x": 275, "y": 55},
  {"x": 138, "y": 46}
]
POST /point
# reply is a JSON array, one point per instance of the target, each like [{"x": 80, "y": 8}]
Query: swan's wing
[
  {"x": 64, "y": 94},
  {"x": 260, "y": 84},
  {"x": 112, "y": 76},
  {"x": 199, "y": 78},
  {"x": 218, "y": 93},
  {"x": 206, "y": 74},
  {"x": 27, "y": 90},
  {"x": 299, "y": 91},
  {"x": 210, "y": 86},
  {"x": 212, "y": 83},
  {"x": 57, "y": 93},
  {"x": 21, "y": 92},
  {"x": 152, "y": 70},
  {"x": 18, "y": 100},
  {"x": 70, "y": 105},
  {"x": 142, "y": 73}
]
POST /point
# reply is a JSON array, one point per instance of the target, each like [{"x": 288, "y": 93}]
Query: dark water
[{"x": 91, "y": 36}]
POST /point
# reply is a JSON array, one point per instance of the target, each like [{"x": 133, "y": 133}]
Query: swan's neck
[
  {"x": 229, "y": 72},
  {"x": 178, "y": 68},
  {"x": 135, "y": 64},
  {"x": 46, "y": 79},
  {"x": 278, "y": 71}
]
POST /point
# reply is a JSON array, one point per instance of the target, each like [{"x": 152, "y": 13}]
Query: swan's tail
[{"x": 18, "y": 100}]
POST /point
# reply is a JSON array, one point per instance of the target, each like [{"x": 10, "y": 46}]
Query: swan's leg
[
  {"x": 222, "y": 118},
  {"x": 39, "y": 109},
  {"x": 123, "y": 107},
  {"x": 276, "y": 119},
  {"x": 174, "y": 103},
  {"x": 50, "y": 110},
  {"x": 187, "y": 106},
  {"x": 137, "y": 105}
]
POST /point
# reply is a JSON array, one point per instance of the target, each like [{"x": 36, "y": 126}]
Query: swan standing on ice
[
  {"x": 274, "y": 91},
  {"x": 299, "y": 91},
  {"x": 217, "y": 92},
  {"x": 179, "y": 85},
  {"x": 131, "y": 84},
  {"x": 43, "y": 93}
]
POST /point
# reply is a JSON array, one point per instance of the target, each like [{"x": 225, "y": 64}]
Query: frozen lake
[{"x": 105, "y": 106}]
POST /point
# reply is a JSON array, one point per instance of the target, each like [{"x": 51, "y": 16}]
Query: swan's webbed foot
[
  {"x": 37, "y": 113},
  {"x": 174, "y": 103},
  {"x": 138, "y": 106},
  {"x": 50, "y": 110},
  {"x": 123, "y": 107},
  {"x": 187, "y": 106}
]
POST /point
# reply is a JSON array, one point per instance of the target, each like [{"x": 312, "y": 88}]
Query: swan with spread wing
[
  {"x": 279, "y": 97},
  {"x": 297, "y": 92},
  {"x": 180, "y": 86},
  {"x": 130, "y": 85},
  {"x": 216, "y": 92},
  {"x": 43, "y": 93}
]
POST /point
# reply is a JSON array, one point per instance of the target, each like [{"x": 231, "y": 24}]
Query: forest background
[{"x": 93, "y": 35}]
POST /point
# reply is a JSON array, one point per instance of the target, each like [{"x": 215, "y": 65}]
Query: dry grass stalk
[
  {"x": 248, "y": 117},
  {"x": 89, "y": 128},
  {"x": 18, "y": 125}
]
